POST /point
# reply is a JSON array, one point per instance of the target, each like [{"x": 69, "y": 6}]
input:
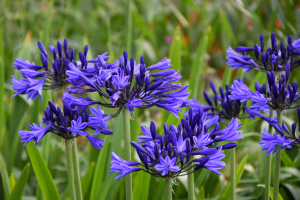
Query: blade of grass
[
  {"x": 5, "y": 179},
  {"x": 17, "y": 191},
  {"x": 239, "y": 172},
  {"x": 42, "y": 173}
]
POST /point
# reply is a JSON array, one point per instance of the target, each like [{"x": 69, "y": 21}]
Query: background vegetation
[{"x": 193, "y": 34}]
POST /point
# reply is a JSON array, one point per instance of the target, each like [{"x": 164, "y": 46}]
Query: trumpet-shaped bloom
[{"x": 167, "y": 165}]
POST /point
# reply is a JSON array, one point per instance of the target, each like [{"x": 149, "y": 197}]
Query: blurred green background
[{"x": 193, "y": 34}]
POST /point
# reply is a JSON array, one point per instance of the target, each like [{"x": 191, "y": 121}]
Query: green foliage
[{"x": 193, "y": 34}]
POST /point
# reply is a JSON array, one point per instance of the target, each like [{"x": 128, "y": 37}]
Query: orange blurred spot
[
  {"x": 250, "y": 24},
  {"x": 186, "y": 39},
  {"x": 278, "y": 24}
]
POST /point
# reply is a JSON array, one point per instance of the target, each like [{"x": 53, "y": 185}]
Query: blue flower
[
  {"x": 98, "y": 121},
  {"x": 274, "y": 96},
  {"x": 265, "y": 59},
  {"x": 169, "y": 155},
  {"x": 68, "y": 124},
  {"x": 167, "y": 165},
  {"x": 134, "y": 103},
  {"x": 270, "y": 142},
  {"x": 53, "y": 76},
  {"x": 126, "y": 83}
]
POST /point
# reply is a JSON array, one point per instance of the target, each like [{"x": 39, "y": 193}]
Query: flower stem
[
  {"x": 76, "y": 171},
  {"x": 277, "y": 162},
  {"x": 168, "y": 189},
  {"x": 232, "y": 175},
  {"x": 191, "y": 184},
  {"x": 70, "y": 170},
  {"x": 128, "y": 177},
  {"x": 268, "y": 166}
]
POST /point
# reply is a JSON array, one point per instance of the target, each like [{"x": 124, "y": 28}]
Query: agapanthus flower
[
  {"x": 36, "y": 78},
  {"x": 266, "y": 59},
  {"x": 191, "y": 145},
  {"x": 226, "y": 108},
  {"x": 68, "y": 124},
  {"x": 274, "y": 96},
  {"x": 126, "y": 84},
  {"x": 285, "y": 138}
]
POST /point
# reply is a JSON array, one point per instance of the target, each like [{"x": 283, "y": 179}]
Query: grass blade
[
  {"x": 5, "y": 179},
  {"x": 42, "y": 173},
  {"x": 17, "y": 191}
]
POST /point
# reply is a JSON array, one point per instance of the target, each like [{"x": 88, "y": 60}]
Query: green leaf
[
  {"x": 99, "y": 170},
  {"x": 5, "y": 178},
  {"x": 198, "y": 64},
  {"x": 201, "y": 195},
  {"x": 239, "y": 172},
  {"x": 227, "y": 76},
  {"x": 286, "y": 159},
  {"x": 12, "y": 181},
  {"x": 271, "y": 192},
  {"x": 17, "y": 191},
  {"x": 141, "y": 186},
  {"x": 42, "y": 173},
  {"x": 86, "y": 181}
]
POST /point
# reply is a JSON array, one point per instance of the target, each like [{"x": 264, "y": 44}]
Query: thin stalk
[
  {"x": 128, "y": 177},
  {"x": 70, "y": 170},
  {"x": 191, "y": 190},
  {"x": 268, "y": 166},
  {"x": 76, "y": 171},
  {"x": 232, "y": 175},
  {"x": 277, "y": 163},
  {"x": 168, "y": 189}
]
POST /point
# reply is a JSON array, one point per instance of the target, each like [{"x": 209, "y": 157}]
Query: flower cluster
[
  {"x": 182, "y": 150},
  {"x": 274, "y": 96},
  {"x": 287, "y": 139},
  {"x": 223, "y": 106},
  {"x": 124, "y": 83},
  {"x": 37, "y": 78},
  {"x": 68, "y": 124},
  {"x": 271, "y": 59}
]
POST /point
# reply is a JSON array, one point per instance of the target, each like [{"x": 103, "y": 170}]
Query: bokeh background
[{"x": 193, "y": 34}]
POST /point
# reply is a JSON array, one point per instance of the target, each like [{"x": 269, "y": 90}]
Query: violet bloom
[
  {"x": 274, "y": 96},
  {"x": 170, "y": 155},
  {"x": 68, "y": 124},
  {"x": 36, "y": 78},
  {"x": 266, "y": 59},
  {"x": 284, "y": 138},
  {"x": 126, "y": 84}
]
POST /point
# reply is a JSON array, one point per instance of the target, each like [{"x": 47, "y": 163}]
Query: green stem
[
  {"x": 168, "y": 189},
  {"x": 268, "y": 166},
  {"x": 128, "y": 177},
  {"x": 76, "y": 171},
  {"x": 277, "y": 163},
  {"x": 70, "y": 169},
  {"x": 191, "y": 184},
  {"x": 232, "y": 175}
]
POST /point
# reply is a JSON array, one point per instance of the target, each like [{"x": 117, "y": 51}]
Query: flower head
[
  {"x": 266, "y": 59},
  {"x": 67, "y": 124},
  {"x": 274, "y": 96},
  {"x": 44, "y": 77},
  {"x": 170, "y": 155},
  {"x": 126, "y": 84}
]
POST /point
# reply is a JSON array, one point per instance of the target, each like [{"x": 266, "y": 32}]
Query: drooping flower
[
  {"x": 266, "y": 59},
  {"x": 68, "y": 124},
  {"x": 43, "y": 77},
  {"x": 126, "y": 84}
]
